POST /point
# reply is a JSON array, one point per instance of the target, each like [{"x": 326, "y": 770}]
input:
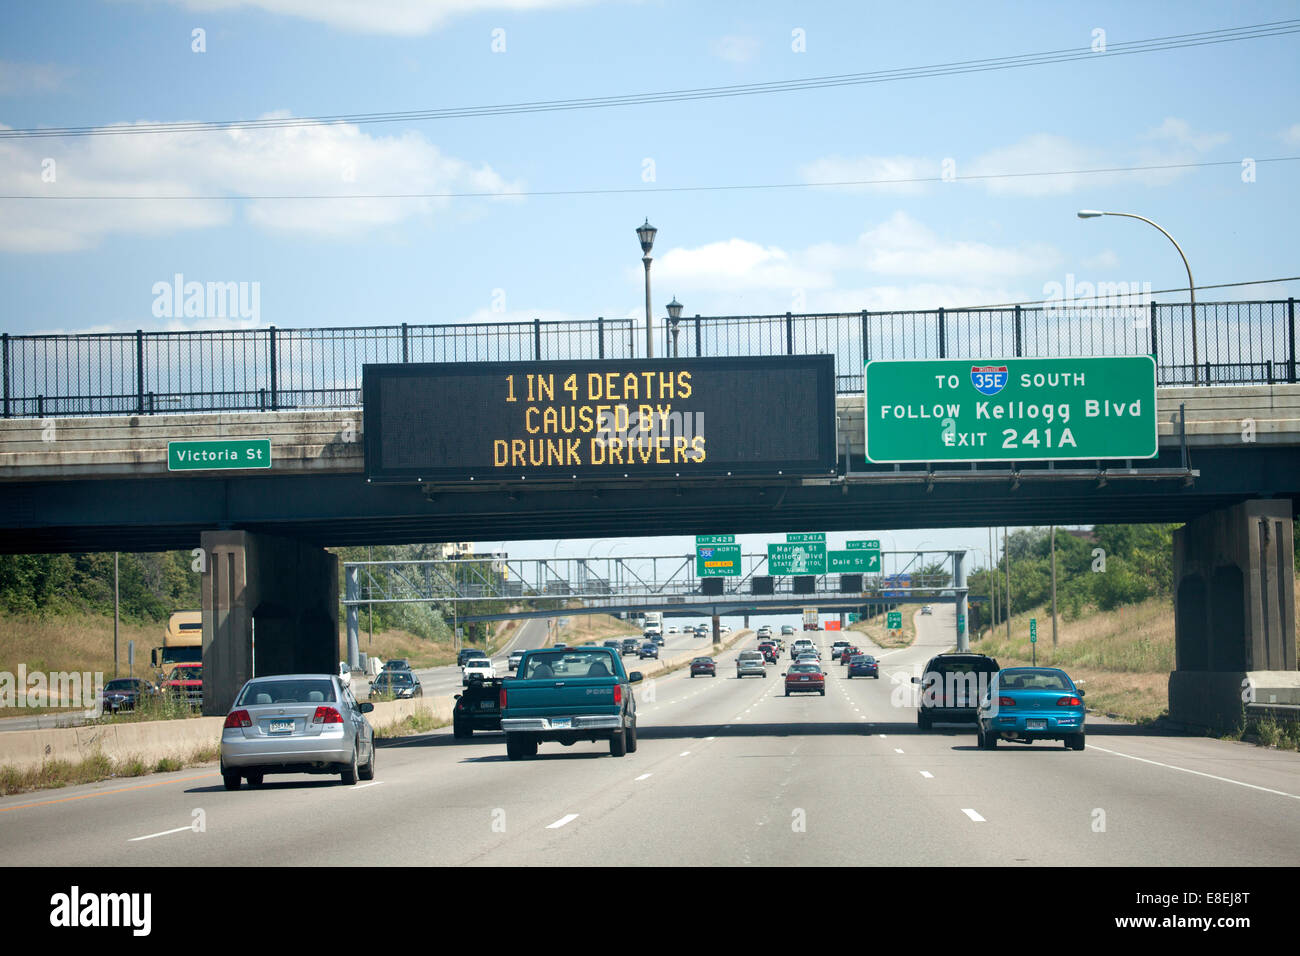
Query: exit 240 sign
[{"x": 1011, "y": 409}]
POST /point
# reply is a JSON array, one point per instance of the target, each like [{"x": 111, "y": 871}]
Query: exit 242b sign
[{"x": 1011, "y": 409}]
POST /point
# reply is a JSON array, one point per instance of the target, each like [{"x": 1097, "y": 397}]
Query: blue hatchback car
[
  {"x": 1024, "y": 704},
  {"x": 864, "y": 665}
]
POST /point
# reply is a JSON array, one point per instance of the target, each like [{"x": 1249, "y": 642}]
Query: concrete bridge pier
[
  {"x": 1234, "y": 614},
  {"x": 270, "y": 606}
]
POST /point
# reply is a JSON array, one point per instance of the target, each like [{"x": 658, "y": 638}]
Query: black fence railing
[{"x": 271, "y": 369}]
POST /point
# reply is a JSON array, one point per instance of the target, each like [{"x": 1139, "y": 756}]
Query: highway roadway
[{"x": 728, "y": 771}]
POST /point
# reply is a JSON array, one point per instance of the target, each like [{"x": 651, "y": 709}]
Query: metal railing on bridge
[{"x": 275, "y": 369}]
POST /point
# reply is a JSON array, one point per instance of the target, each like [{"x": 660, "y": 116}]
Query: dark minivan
[{"x": 952, "y": 686}]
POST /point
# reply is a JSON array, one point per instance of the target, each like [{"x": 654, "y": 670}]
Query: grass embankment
[
  {"x": 876, "y": 630},
  {"x": 63, "y": 773},
  {"x": 594, "y": 628}
]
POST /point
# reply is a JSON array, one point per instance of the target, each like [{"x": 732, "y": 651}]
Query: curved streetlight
[
  {"x": 1191, "y": 286},
  {"x": 646, "y": 233},
  {"x": 674, "y": 317}
]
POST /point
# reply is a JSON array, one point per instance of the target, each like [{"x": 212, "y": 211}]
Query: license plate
[
  {"x": 805, "y": 678},
  {"x": 1036, "y": 724},
  {"x": 280, "y": 727},
  {"x": 487, "y": 705},
  {"x": 561, "y": 723}
]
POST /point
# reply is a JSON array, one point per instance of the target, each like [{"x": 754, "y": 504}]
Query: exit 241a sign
[{"x": 1011, "y": 409}]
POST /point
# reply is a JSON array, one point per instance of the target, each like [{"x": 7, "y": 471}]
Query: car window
[
  {"x": 805, "y": 669},
  {"x": 1033, "y": 680},
  {"x": 300, "y": 691},
  {"x": 570, "y": 663}
]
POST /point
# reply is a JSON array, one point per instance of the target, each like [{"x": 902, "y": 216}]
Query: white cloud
[
  {"x": 25, "y": 79},
  {"x": 394, "y": 17},
  {"x": 735, "y": 48},
  {"x": 875, "y": 169},
  {"x": 896, "y": 264},
  {"x": 1106, "y": 259},
  {"x": 1291, "y": 135},
  {"x": 1180, "y": 133},
  {"x": 314, "y": 160}
]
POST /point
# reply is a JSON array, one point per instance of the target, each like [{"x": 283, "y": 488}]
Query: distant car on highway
[
  {"x": 702, "y": 630},
  {"x": 466, "y": 653},
  {"x": 838, "y": 648},
  {"x": 769, "y": 651},
  {"x": 864, "y": 665},
  {"x": 952, "y": 686},
  {"x": 673, "y": 629},
  {"x": 787, "y": 629},
  {"x": 801, "y": 646},
  {"x": 927, "y": 609},
  {"x": 632, "y": 645},
  {"x": 1024, "y": 704},
  {"x": 649, "y": 649},
  {"x": 750, "y": 662},
  {"x": 804, "y": 678},
  {"x": 296, "y": 723},
  {"x": 126, "y": 693},
  {"x": 397, "y": 664},
  {"x": 400, "y": 685},
  {"x": 477, "y": 668},
  {"x": 515, "y": 657},
  {"x": 185, "y": 682},
  {"x": 704, "y": 665},
  {"x": 614, "y": 645}
]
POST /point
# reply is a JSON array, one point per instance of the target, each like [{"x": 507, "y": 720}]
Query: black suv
[
  {"x": 466, "y": 653},
  {"x": 951, "y": 687},
  {"x": 478, "y": 707},
  {"x": 631, "y": 645}
]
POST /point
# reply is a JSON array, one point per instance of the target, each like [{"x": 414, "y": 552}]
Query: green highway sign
[
  {"x": 812, "y": 537},
  {"x": 1033, "y": 630},
  {"x": 853, "y": 618},
  {"x": 853, "y": 562},
  {"x": 1011, "y": 409},
  {"x": 218, "y": 454},
  {"x": 797, "y": 558},
  {"x": 871, "y": 544},
  {"x": 895, "y": 621},
  {"x": 717, "y": 560},
  {"x": 714, "y": 539}
]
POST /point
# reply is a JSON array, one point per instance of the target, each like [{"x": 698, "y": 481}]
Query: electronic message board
[{"x": 636, "y": 418}]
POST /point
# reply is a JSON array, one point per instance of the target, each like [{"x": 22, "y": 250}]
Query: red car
[
  {"x": 804, "y": 679},
  {"x": 769, "y": 651},
  {"x": 847, "y": 654},
  {"x": 704, "y": 665},
  {"x": 185, "y": 682}
]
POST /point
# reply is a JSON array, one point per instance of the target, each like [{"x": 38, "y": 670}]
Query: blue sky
[{"x": 92, "y": 265}]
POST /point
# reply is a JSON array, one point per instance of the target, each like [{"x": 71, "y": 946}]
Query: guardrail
[{"x": 273, "y": 369}]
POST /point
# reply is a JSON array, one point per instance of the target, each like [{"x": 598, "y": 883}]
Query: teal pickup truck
[{"x": 566, "y": 695}]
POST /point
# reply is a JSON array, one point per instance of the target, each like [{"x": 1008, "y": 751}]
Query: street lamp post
[
  {"x": 674, "y": 317},
  {"x": 1191, "y": 286},
  {"x": 646, "y": 233}
]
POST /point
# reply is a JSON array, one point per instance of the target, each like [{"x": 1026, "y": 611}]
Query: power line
[
  {"x": 974, "y": 177},
  {"x": 1127, "y": 48},
  {"x": 1090, "y": 298}
]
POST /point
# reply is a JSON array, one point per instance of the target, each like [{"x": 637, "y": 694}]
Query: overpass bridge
[{"x": 87, "y": 420}]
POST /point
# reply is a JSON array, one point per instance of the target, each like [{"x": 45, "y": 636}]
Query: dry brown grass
[
  {"x": 882, "y": 636},
  {"x": 594, "y": 628}
]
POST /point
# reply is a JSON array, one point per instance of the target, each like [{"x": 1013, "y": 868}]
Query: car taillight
[
  {"x": 1068, "y": 702},
  {"x": 236, "y": 719},
  {"x": 1006, "y": 702},
  {"x": 618, "y": 693},
  {"x": 502, "y": 699},
  {"x": 327, "y": 715}
]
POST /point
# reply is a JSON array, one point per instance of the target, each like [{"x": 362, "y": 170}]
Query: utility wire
[
  {"x": 1126, "y": 48},
  {"x": 974, "y": 177}
]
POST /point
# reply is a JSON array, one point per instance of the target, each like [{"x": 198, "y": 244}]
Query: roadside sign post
[
  {"x": 895, "y": 620},
  {"x": 1033, "y": 638}
]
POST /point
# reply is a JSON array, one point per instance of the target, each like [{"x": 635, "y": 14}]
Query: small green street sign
[
  {"x": 961, "y": 622},
  {"x": 1033, "y": 630},
  {"x": 871, "y": 544},
  {"x": 796, "y": 559},
  {"x": 714, "y": 539},
  {"x": 219, "y": 454},
  {"x": 813, "y": 537},
  {"x": 854, "y": 618},
  {"x": 717, "y": 560},
  {"x": 1010, "y": 409},
  {"x": 895, "y": 621},
  {"x": 853, "y": 562}
]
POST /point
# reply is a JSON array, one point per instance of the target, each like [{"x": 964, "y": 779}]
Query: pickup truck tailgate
[{"x": 577, "y": 696}]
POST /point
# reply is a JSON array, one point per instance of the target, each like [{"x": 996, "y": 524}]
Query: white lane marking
[
  {"x": 567, "y": 818},
  {"x": 164, "y": 833},
  {"x": 684, "y": 753},
  {"x": 710, "y": 738},
  {"x": 898, "y": 750},
  {"x": 1199, "y": 773},
  {"x": 362, "y": 786},
  {"x": 927, "y": 775},
  {"x": 882, "y": 736},
  {"x": 974, "y": 816},
  {"x": 643, "y": 776}
]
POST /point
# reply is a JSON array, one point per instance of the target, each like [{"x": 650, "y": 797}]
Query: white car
[
  {"x": 477, "y": 668},
  {"x": 673, "y": 629}
]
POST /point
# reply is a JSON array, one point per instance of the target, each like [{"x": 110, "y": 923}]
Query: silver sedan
[{"x": 296, "y": 723}]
